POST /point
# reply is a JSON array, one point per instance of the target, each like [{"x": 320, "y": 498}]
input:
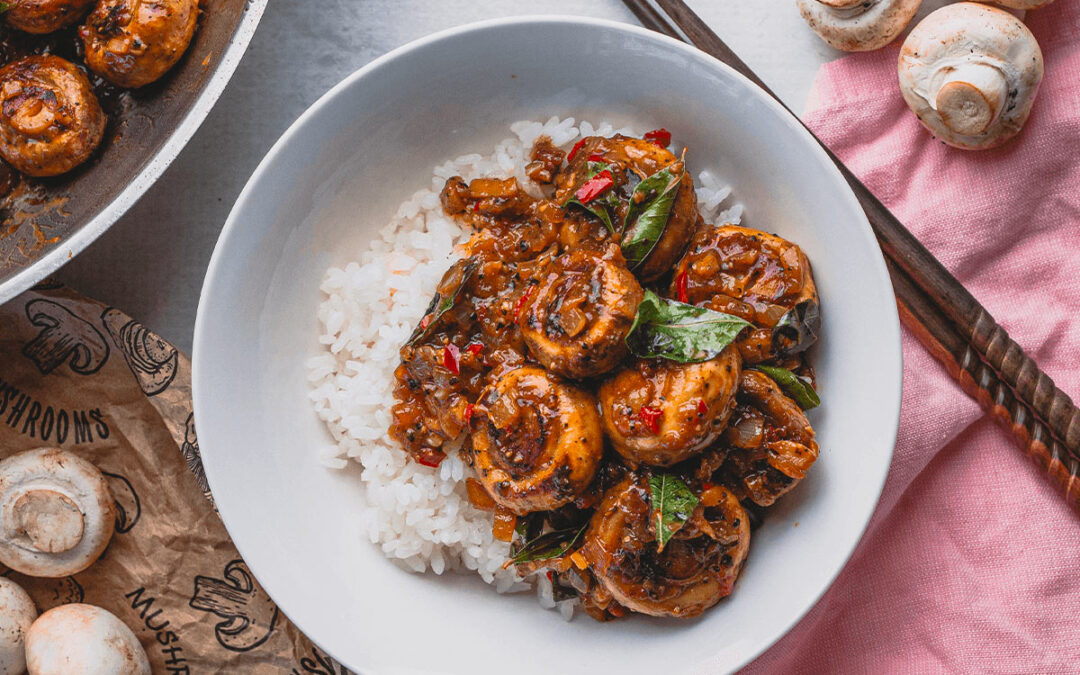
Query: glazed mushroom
[
  {"x": 576, "y": 320},
  {"x": 695, "y": 570},
  {"x": 17, "y": 612},
  {"x": 44, "y": 16},
  {"x": 661, "y": 412},
  {"x": 56, "y": 513},
  {"x": 132, "y": 43},
  {"x": 759, "y": 277},
  {"x": 50, "y": 120},
  {"x": 631, "y": 159},
  {"x": 83, "y": 639},
  {"x": 858, "y": 25},
  {"x": 970, "y": 73},
  {"x": 536, "y": 441},
  {"x": 770, "y": 442}
]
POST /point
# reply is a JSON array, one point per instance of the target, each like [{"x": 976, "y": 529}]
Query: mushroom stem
[
  {"x": 970, "y": 97},
  {"x": 50, "y": 519}
]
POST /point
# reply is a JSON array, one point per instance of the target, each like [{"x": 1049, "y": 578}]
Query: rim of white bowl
[{"x": 231, "y": 224}]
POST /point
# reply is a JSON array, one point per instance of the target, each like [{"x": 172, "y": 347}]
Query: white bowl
[{"x": 337, "y": 175}]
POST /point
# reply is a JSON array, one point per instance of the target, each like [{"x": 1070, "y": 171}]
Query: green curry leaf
[
  {"x": 648, "y": 214},
  {"x": 794, "y": 386},
  {"x": 549, "y": 545},
  {"x": 441, "y": 304},
  {"x": 672, "y": 505},
  {"x": 679, "y": 332},
  {"x": 603, "y": 206}
]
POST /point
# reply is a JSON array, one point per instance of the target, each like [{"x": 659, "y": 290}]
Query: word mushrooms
[
  {"x": 56, "y": 513},
  {"x": 858, "y": 25},
  {"x": 970, "y": 73}
]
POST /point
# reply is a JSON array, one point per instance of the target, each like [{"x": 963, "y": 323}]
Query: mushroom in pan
[
  {"x": 576, "y": 321},
  {"x": 17, "y": 612},
  {"x": 132, "y": 43},
  {"x": 50, "y": 120},
  {"x": 44, "y": 16},
  {"x": 56, "y": 513},
  {"x": 970, "y": 73},
  {"x": 83, "y": 639},
  {"x": 858, "y": 25},
  {"x": 536, "y": 440}
]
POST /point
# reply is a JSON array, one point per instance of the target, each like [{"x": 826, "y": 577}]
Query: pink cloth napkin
[{"x": 972, "y": 561}]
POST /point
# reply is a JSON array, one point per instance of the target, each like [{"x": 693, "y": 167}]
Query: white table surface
[{"x": 151, "y": 262}]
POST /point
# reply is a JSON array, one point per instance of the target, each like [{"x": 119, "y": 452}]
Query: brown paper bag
[{"x": 78, "y": 375}]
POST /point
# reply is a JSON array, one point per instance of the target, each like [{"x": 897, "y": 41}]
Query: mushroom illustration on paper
[
  {"x": 248, "y": 612},
  {"x": 64, "y": 337},
  {"x": 128, "y": 506},
  {"x": 190, "y": 450},
  {"x": 151, "y": 359}
]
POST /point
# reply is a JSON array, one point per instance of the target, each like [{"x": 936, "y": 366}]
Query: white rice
[{"x": 420, "y": 516}]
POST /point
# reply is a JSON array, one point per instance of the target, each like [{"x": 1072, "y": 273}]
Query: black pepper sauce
[{"x": 516, "y": 236}]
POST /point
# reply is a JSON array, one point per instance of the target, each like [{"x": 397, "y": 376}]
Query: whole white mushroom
[
  {"x": 56, "y": 513},
  {"x": 17, "y": 612},
  {"x": 83, "y": 639},
  {"x": 970, "y": 73},
  {"x": 858, "y": 25}
]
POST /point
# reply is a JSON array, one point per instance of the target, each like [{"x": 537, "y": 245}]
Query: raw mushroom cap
[
  {"x": 970, "y": 73},
  {"x": 83, "y": 639},
  {"x": 858, "y": 25},
  {"x": 17, "y": 612},
  {"x": 1022, "y": 4},
  {"x": 56, "y": 513}
]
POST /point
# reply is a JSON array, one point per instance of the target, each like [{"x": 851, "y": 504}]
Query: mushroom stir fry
[{"x": 627, "y": 381}]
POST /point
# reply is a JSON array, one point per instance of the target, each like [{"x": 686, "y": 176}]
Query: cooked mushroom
[
  {"x": 50, "y": 120},
  {"x": 44, "y": 16},
  {"x": 536, "y": 440},
  {"x": 858, "y": 25},
  {"x": 694, "y": 571},
  {"x": 83, "y": 639},
  {"x": 56, "y": 513},
  {"x": 17, "y": 612},
  {"x": 132, "y": 43},
  {"x": 771, "y": 443},
  {"x": 576, "y": 321},
  {"x": 661, "y": 412},
  {"x": 970, "y": 73},
  {"x": 631, "y": 160},
  {"x": 760, "y": 277}
]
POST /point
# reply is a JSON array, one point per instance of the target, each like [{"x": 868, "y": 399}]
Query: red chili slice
[
  {"x": 574, "y": 150},
  {"x": 425, "y": 322},
  {"x": 451, "y": 358},
  {"x": 474, "y": 348},
  {"x": 521, "y": 301},
  {"x": 702, "y": 408},
  {"x": 596, "y": 158},
  {"x": 431, "y": 457},
  {"x": 661, "y": 137},
  {"x": 469, "y": 410},
  {"x": 595, "y": 186},
  {"x": 476, "y": 206},
  {"x": 680, "y": 287},
  {"x": 650, "y": 417}
]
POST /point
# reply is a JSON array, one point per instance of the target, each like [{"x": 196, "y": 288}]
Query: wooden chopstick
[{"x": 948, "y": 320}]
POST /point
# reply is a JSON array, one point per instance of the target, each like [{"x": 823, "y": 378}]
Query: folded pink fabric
[{"x": 972, "y": 561}]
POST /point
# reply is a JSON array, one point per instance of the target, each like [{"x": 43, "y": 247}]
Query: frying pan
[{"x": 46, "y": 222}]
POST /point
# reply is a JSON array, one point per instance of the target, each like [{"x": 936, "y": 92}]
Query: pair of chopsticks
[{"x": 947, "y": 319}]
